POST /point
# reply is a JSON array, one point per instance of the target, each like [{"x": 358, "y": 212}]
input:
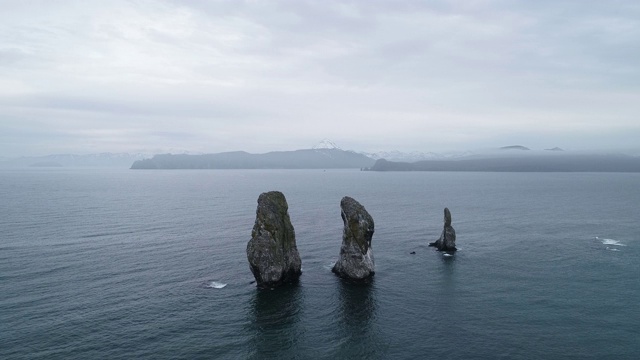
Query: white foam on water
[
  {"x": 216, "y": 285},
  {"x": 612, "y": 249},
  {"x": 447, "y": 255},
  {"x": 329, "y": 266},
  {"x": 613, "y": 242}
]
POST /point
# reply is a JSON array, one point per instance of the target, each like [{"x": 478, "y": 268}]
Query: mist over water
[{"x": 152, "y": 264}]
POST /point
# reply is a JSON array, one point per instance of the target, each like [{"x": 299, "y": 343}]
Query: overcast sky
[{"x": 211, "y": 76}]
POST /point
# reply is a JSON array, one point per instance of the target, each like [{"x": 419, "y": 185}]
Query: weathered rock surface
[
  {"x": 447, "y": 240},
  {"x": 356, "y": 255},
  {"x": 272, "y": 252}
]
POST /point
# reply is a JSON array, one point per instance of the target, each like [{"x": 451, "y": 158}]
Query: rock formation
[
  {"x": 356, "y": 254},
  {"x": 272, "y": 251},
  {"x": 447, "y": 240}
]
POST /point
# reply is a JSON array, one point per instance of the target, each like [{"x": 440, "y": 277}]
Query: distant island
[
  {"x": 327, "y": 155},
  {"x": 514, "y": 147},
  {"x": 556, "y": 162},
  {"x": 321, "y": 158}
]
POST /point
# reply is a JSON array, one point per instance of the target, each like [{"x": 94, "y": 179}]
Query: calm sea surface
[{"x": 123, "y": 264}]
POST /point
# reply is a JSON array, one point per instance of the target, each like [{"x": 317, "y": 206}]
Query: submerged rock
[
  {"x": 272, "y": 252},
  {"x": 447, "y": 240},
  {"x": 356, "y": 255}
]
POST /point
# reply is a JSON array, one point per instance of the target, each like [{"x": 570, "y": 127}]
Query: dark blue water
[{"x": 120, "y": 265}]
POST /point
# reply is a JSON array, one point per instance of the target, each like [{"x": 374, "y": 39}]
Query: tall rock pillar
[
  {"x": 272, "y": 252},
  {"x": 356, "y": 255}
]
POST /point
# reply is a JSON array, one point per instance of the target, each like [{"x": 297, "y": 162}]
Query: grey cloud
[
  {"x": 148, "y": 106},
  {"x": 284, "y": 73},
  {"x": 12, "y": 57}
]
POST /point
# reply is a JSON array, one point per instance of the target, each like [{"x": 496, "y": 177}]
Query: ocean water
[{"x": 151, "y": 265}]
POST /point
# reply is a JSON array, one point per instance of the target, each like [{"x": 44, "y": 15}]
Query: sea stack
[
  {"x": 447, "y": 240},
  {"x": 356, "y": 254},
  {"x": 272, "y": 251}
]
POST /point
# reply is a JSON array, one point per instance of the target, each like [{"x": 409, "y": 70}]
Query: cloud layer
[{"x": 152, "y": 76}]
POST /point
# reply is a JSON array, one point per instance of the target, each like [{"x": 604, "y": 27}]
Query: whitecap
[
  {"x": 612, "y": 249},
  {"x": 612, "y": 242},
  {"x": 447, "y": 255},
  {"x": 216, "y": 285}
]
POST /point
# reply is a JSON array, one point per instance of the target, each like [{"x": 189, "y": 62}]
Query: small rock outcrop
[
  {"x": 447, "y": 240},
  {"x": 272, "y": 252},
  {"x": 356, "y": 255}
]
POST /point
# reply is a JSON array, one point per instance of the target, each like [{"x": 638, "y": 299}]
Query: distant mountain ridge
[
  {"x": 327, "y": 155},
  {"x": 416, "y": 155},
  {"x": 320, "y": 158},
  {"x": 557, "y": 162},
  {"x": 515, "y": 147}
]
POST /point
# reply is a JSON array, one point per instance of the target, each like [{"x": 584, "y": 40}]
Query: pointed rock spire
[{"x": 356, "y": 255}]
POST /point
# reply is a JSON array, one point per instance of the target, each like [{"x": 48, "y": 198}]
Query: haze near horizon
[{"x": 174, "y": 76}]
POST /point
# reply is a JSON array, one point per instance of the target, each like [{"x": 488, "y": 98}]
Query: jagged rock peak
[
  {"x": 356, "y": 255},
  {"x": 447, "y": 240},
  {"x": 272, "y": 252}
]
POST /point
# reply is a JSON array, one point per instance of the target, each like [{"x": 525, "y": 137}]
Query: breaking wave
[
  {"x": 612, "y": 242},
  {"x": 329, "y": 266},
  {"x": 216, "y": 285}
]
